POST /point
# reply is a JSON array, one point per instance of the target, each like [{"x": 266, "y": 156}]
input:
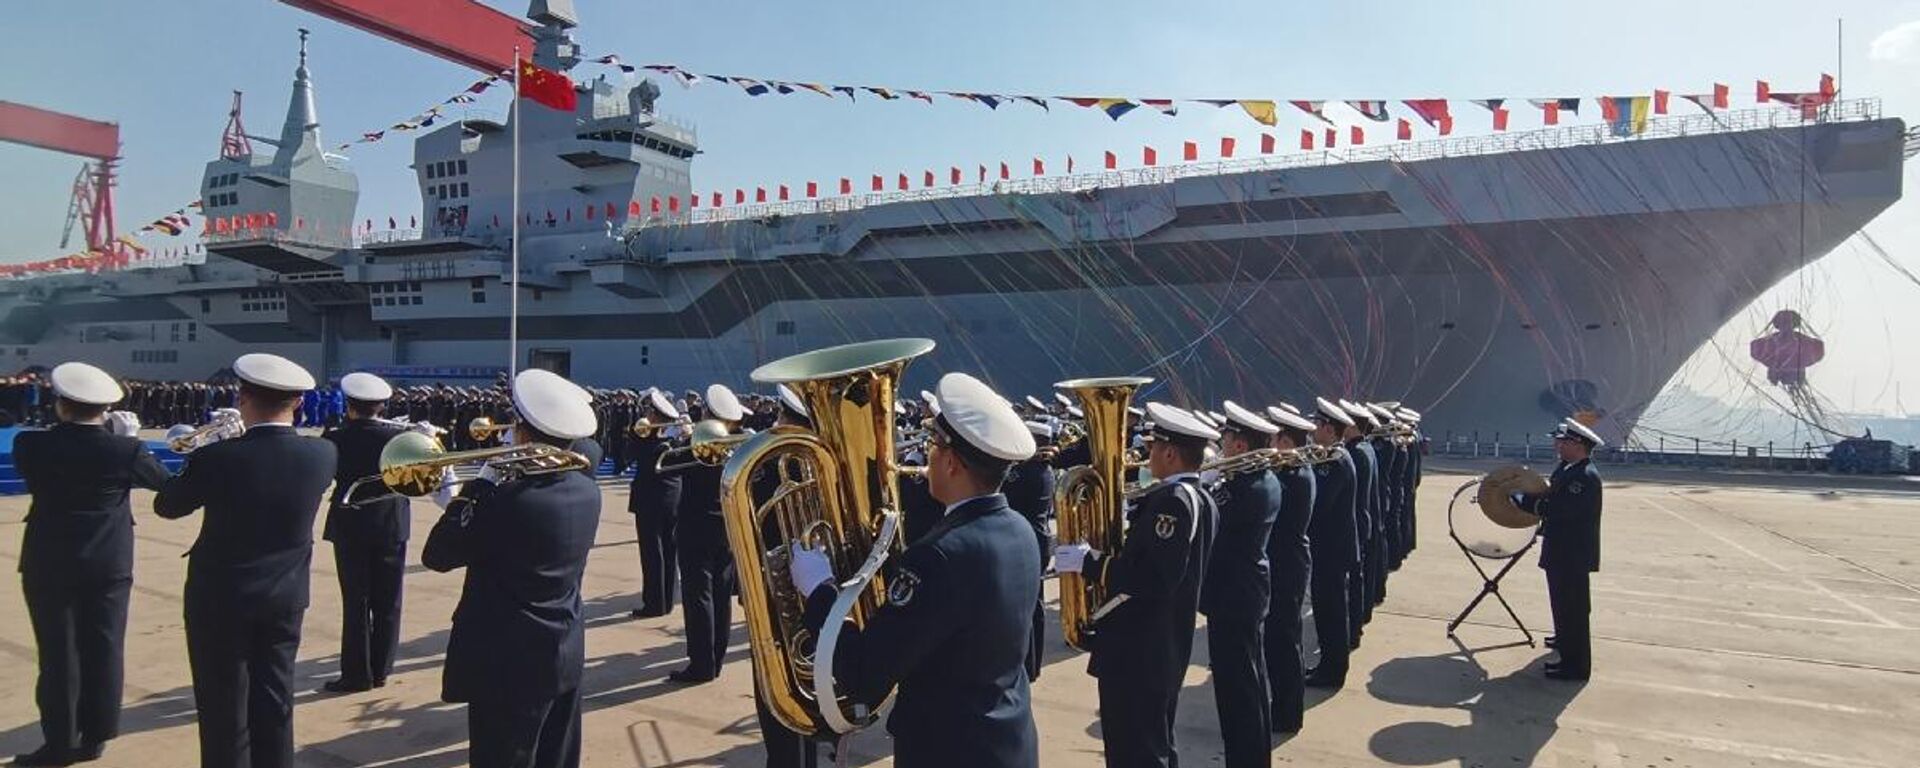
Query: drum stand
[{"x": 1490, "y": 585}]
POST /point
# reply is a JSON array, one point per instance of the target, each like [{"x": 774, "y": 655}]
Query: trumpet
[
  {"x": 711, "y": 447},
  {"x": 644, "y": 427},
  {"x": 413, "y": 464},
  {"x": 225, "y": 424},
  {"x": 482, "y": 428},
  {"x": 407, "y": 422},
  {"x": 1398, "y": 434}
]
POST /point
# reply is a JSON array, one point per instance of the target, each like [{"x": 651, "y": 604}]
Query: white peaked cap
[
  {"x": 976, "y": 414},
  {"x": 85, "y": 384},
  {"x": 723, "y": 404},
  {"x": 1380, "y": 412},
  {"x": 1181, "y": 422},
  {"x": 1289, "y": 408},
  {"x": 1356, "y": 410},
  {"x": 1409, "y": 415},
  {"x": 791, "y": 400},
  {"x": 1074, "y": 411},
  {"x": 1288, "y": 419},
  {"x": 552, "y": 405},
  {"x": 1062, "y": 397},
  {"x": 1035, "y": 402},
  {"x": 1245, "y": 420},
  {"x": 272, "y": 372},
  {"x": 366, "y": 387},
  {"x": 1574, "y": 428},
  {"x": 932, "y": 401},
  {"x": 899, "y": 408},
  {"x": 663, "y": 404},
  {"x": 1040, "y": 429},
  {"x": 1391, "y": 405},
  {"x": 1331, "y": 411}
]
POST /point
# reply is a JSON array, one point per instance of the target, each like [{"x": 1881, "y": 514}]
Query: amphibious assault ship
[{"x": 1496, "y": 283}]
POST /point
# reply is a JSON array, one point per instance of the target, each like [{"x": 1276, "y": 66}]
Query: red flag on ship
[
  {"x": 673, "y": 204},
  {"x": 718, "y": 200},
  {"x": 783, "y": 193},
  {"x": 739, "y": 196},
  {"x": 1660, "y": 101},
  {"x": 846, "y": 186},
  {"x": 612, "y": 211},
  {"x": 656, "y": 205},
  {"x": 550, "y": 89},
  {"x": 1306, "y": 139},
  {"x": 1039, "y": 167},
  {"x": 759, "y": 194},
  {"x": 1762, "y": 93},
  {"x": 1406, "y": 130},
  {"x": 953, "y": 175},
  {"x": 1226, "y": 146},
  {"x": 1113, "y": 161},
  {"x": 1189, "y": 151},
  {"x": 590, "y": 207},
  {"x": 1005, "y": 172},
  {"x": 903, "y": 181},
  {"x": 926, "y": 180},
  {"x": 813, "y": 190},
  {"x": 1268, "y": 143},
  {"x": 878, "y": 183},
  {"x": 1331, "y": 135},
  {"x": 1355, "y": 136},
  {"x": 1149, "y": 157}
]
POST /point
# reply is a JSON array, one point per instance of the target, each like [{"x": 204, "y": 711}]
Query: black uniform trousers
[
  {"x": 1570, "y": 601},
  {"x": 653, "y": 524},
  {"x": 1286, "y": 673},
  {"x": 1136, "y": 720},
  {"x": 242, "y": 664},
  {"x": 1331, "y": 626},
  {"x": 370, "y": 587},
  {"x": 509, "y": 731},
  {"x": 785, "y": 749},
  {"x": 706, "y": 586},
  {"x": 1378, "y": 570},
  {"x": 1237, "y": 652},
  {"x": 80, "y": 629}
]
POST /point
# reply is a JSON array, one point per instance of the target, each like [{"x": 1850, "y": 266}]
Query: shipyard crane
[
  {"x": 99, "y": 142},
  {"x": 464, "y": 32}
]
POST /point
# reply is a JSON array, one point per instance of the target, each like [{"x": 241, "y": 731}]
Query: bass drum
[{"x": 1480, "y": 533}]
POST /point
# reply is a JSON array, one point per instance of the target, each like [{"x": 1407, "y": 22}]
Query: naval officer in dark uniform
[
  {"x": 1570, "y": 526},
  {"x": 785, "y": 749},
  {"x": 518, "y": 642},
  {"x": 1333, "y": 534},
  {"x": 76, "y": 559},
  {"x": 1029, "y": 490},
  {"x": 706, "y": 562},
  {"x": 953, "y": 632},
  {"x": 1289, "y": 551},
  {"x": 1143, "y": 636},
  {"x": 1364, "y": 584},
  {"x": 1235, "y": 594},
  {"x": 369, "y": 537},
  {"x": 654, "y": 499},
  {"x": 247, "y": 572}
]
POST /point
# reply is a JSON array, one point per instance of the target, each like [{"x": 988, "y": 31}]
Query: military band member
[
  {"x": 654, "y": 498},
  {"x": 1143, "y": 636},
  {"x": 369, "y": 539},
  {"x": 706, "y": 563},
  {"x": 1334, "y": 536},
  {"x": 76, "y": 559},
  {"x": 247, "y": 572},
  {"x": 1235, "y": 593},
  {"x": 1570, "y": 527},
  {"x": 1392, "y": 462},
  {"x": 517, "y": 645},
  {"x": 954, "y": 630},
  {"x": 1416, "y": 457},
  {"x": 1364, "y": 584},
  {"x": 1289, "y": 551},
  {"x": 785, "y": 749},
  {"x": 1029, "y": 490}
]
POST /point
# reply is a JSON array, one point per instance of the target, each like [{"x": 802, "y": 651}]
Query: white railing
[{"x": 1466, "y": 146}]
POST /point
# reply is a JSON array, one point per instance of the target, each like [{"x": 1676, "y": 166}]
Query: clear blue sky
[{"x": 166, "y": 69}]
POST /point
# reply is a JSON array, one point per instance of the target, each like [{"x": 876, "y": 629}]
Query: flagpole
[{"x": 513, "y": 303}]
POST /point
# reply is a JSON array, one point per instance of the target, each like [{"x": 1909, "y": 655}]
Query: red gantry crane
[
  {"x": 99, "y": 142},
  {"x": 464, "y": 32}
]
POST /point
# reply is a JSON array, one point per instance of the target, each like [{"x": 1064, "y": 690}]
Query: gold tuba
[
  {"x": 1089, "y": 502},
  {"x": 837, "y": 490}
]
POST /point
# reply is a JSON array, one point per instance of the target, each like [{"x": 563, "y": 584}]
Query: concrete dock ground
[{"x": 1734, "y": 625}]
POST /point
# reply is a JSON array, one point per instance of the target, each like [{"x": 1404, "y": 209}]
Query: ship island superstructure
[{"x": 1495, "y": 283}]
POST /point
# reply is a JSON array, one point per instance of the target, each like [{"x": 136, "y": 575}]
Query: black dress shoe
[
  {"x": 690, "y": 677},
  {"x": 1555, "y": 672},
  {"x": 379, "y": 682},
  {"x": 342, "y": 685},
  {"x": 649, "y": 612},
  {"x": 49, "y": 756},
  {"x": 1324, "y": 681}
]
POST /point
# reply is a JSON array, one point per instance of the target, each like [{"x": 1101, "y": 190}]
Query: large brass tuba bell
[
  {"x": 836, "y": 490},
  {"x": 1090, "y": 501}
]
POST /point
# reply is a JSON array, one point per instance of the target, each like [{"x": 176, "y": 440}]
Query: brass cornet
[
  {"x": 225, "y": 424},
  {"x": 482, "y": 428},
  {"x": 644, "y": 427},
  {"x": 413, "y": 464},
  {"x": 710, "y": 447}
]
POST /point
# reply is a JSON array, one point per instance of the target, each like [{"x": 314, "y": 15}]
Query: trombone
[
  {"x": 225, "y": 424},
  {"x": 413, "y": 464},
  {"x": 711, "y": 447}
]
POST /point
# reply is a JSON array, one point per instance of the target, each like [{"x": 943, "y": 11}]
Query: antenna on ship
[{"x": 513, "y": 302}]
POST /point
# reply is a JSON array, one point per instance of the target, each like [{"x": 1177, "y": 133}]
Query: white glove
[
  {"x": 1210, "y": 477},
  {"x": 123, "y": 423},
  {"x": 489, "y": 473},
  {"x": 1071, "y": 558},
  {"x": 809, "y": 568},
  {"x": 425, "y": 428},
  {"x": 449, "y": 485},
  {"x": 226, "y": 413}
]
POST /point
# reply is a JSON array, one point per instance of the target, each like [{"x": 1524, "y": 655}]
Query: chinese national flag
[
  {"x": 1113, "y": 161},
  {"x": 550, "y": 89},
  {"x": 1226, "y": 146},
  {"x": 1267, "y": 143}
]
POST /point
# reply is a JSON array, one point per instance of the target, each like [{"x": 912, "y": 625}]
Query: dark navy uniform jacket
[
  {"x": 1159, "y": 568},
  {"x": 1288, "y": 547},
  {"x": 1029, "y": 491},
  {"x": 953, "y": 635},
  {"x": 1333, "y": 529},
  {"x": 1366, "y": 487},
  {"x": 650, "y": 487},
  {"x": 1569, "y": 518},
  {"x": 80, "y": 526},
  {"x": 261, "y": 491},
  {"x": 1239, "y": 580},
  {"x": 386, "y": 522},
  {"x": 517, "y": 631}
]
